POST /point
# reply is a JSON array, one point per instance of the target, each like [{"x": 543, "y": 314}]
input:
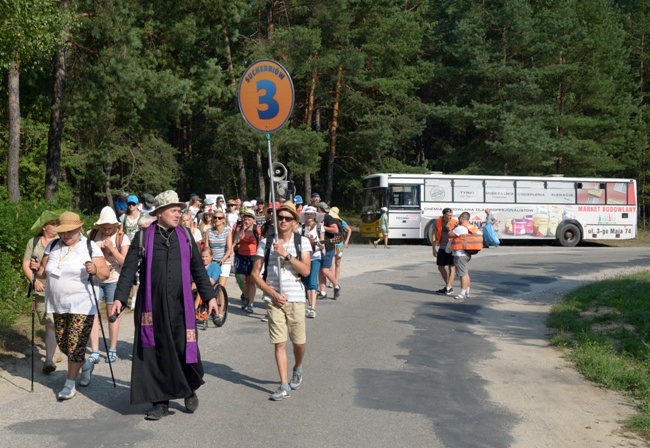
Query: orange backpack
[{"x": 471, "y": 243}]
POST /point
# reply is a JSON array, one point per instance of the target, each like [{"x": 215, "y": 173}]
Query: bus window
[
  {"x": 531, "y": 192},
  {"x": 591, "y": 193},
  {"x": 404, "y": 196},
  {"x": 559, "y": 192},
  {"x": 500, "y": 191},
  {"x": 374, "y": 199},
  {"x": 468, "y": 190},
  {"x": 617, "y": 193}
]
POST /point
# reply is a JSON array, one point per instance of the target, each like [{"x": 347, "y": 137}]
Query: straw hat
[
  {"x": 167, "y": 198},
  {"x": 289, "y": 207},
  {"x": 107, "y": 216},
  {"x": 68, "y": 221},
  {"x": 46, "y": 216},
  {"x": 334, "y": 213},
  {"x": 245, "y": 211},
  {"x": 231, "y": 202}
]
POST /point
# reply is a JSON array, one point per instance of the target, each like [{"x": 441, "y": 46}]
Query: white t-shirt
[
  {"x": 231, "y": 220},
  {"x": 292, "y": 285},
  {"x": 67, "y": 290},
  {"x": 315, "y": 235},
  {"x": 196, "y": 233},
  {"x": 458, "y": 231}
]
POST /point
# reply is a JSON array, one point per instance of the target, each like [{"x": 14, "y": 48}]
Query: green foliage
[
  {"x": 17, "y": 219},
  {"x": 607, "y": 326}
]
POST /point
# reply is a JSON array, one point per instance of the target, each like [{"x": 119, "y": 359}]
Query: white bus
[{"x": 568, "y": 209}]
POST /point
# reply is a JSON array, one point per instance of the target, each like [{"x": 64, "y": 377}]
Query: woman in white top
[
  {"x": 67, "y": 271},
  {"x": 114, "y": 244},
  {"x": 187, "y": 221},
  {"x": 314, "y": 232}
]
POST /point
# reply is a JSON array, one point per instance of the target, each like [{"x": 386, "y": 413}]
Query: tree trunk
[
  {"x": 309, "y": 120},
  {"x": 53, "y": 169},
  {"x": 107, "y": 186},
  {"x": 270, "y": 20},
  {"x": 260, "y": 173},
  {"x": 333, "y": 128},
  {"x": 243, "y": 191},
  {"x": 14, "y": 132}
]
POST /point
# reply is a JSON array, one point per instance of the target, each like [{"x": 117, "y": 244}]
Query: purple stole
[{"x": 146, "y": 327}]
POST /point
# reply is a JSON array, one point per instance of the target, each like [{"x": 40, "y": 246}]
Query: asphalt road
[{"x": 389, "y": 364}]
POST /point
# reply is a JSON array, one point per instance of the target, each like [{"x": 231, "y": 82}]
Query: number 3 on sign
[
  {"x": 266, "y": 96},
  {"x": 272, "y": 106}
]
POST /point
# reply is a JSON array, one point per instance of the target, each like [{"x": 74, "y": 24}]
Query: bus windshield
[{"x": 374, "y": 199}]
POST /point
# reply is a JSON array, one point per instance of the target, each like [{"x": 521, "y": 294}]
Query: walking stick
[
  {"x": 101, "y": 325},
  {"x": 30, "y": 294}
]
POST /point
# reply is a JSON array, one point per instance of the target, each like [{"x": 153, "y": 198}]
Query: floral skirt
[{"x": 72, "y": 333}]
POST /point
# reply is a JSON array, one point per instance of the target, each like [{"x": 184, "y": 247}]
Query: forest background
[{"x": 140, "y": 95}]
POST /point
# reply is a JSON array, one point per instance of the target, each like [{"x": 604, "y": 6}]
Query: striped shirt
[
  {"x": 292, "y": 286},
  {"x": 218, "y": 244}
]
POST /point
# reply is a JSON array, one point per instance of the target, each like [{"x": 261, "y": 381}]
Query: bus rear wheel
[
  {"x": 428, "y": 231},
  {"x": 569, "y": 235}
]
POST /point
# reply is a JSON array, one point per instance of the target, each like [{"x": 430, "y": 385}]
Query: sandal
[
  {"x": 112, "y": 356},
  {"x": 68, "y": 391}
]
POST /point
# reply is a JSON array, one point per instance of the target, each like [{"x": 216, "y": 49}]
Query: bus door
[{"x": 404, "y": 211}]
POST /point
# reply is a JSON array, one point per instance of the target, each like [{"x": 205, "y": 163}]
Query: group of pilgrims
[{"x": 63, "y": 264}]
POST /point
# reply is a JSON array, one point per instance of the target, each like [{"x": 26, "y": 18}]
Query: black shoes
[
  {"x": 159, "y": 411},
  {"x": 192, "y": 403},
  {"x": 337, "y": 292}
]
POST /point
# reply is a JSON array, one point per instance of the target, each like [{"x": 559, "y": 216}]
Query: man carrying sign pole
[{"x": 266, "y": 100}]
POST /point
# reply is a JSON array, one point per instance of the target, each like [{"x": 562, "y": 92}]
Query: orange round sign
[{"x": 266, "y": 95}]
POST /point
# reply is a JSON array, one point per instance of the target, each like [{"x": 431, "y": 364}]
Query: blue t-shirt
[
  {"x": 343, "y": 226},
  {"x": 214, "y": 271}
]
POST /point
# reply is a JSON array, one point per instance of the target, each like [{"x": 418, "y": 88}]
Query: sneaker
[
  {"x": 265, "y": 318},
  {"x": 442, "y": 291},
  {"x": 249, "y": 308},
  {"x": 86, "y": 372},
  {"x": 296, "y": 379},
  {"x": 48, "y": 367},
  {"x": 460, "y": 297},
  {"x": 280, "y": 394},
  {"x": 450, "y": 291},
  {"x": 159, "y": 411},
  {"x": 374, "y": 243},
  {"x": 311, "y": 313},
  {"x": 244, "y": 302},
  {"x": 68, "y": 391},
  {"x": 337, "y": 292},
  {"x": 321, "y": 295}
]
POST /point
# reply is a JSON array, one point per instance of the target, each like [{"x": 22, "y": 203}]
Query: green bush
[{"x": 17, "y": 219}]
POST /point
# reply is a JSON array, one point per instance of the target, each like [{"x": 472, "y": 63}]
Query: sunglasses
[
  {"x": 285, "y": 218},
  {"x": 219, "y": 217},
  {"x": 132, "y": 204}
]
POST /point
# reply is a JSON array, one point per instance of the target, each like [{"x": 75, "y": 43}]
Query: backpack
[
  {"x": 118, "y": 239},
  {"x": 297, "y": 242},
  {"x": 472, "y": 243}
]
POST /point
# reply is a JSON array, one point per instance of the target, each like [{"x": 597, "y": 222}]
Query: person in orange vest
[
  {"x": 444, "y": 258},
  {"x": 461, "y": 257}
]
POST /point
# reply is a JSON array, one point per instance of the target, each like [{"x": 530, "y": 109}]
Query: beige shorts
[
  {"x": 288, "y": 320},
  {"x": 43, "y": 317}
]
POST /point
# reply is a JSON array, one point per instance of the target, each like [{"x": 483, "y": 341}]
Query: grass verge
[{"x": 605, "y": 328}]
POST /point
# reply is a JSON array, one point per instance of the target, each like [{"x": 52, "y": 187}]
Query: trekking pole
[
  {"x": 30, "y": 295},
  {"x": 101, "y": 325},
  {"x": 275, "y": 213}
]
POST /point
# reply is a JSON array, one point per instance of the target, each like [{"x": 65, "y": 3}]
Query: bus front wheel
[
  {"x": 428, "y": 232},
  {"x": 569, "y": 235}
]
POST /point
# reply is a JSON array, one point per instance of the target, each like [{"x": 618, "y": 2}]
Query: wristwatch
[{"x": 288, "y": 257}]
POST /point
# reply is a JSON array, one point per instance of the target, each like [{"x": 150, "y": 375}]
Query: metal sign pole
[{"x": 275, "y": 213}]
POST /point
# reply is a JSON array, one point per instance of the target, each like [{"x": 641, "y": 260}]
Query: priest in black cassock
[{"x": 166, "y": 360}]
